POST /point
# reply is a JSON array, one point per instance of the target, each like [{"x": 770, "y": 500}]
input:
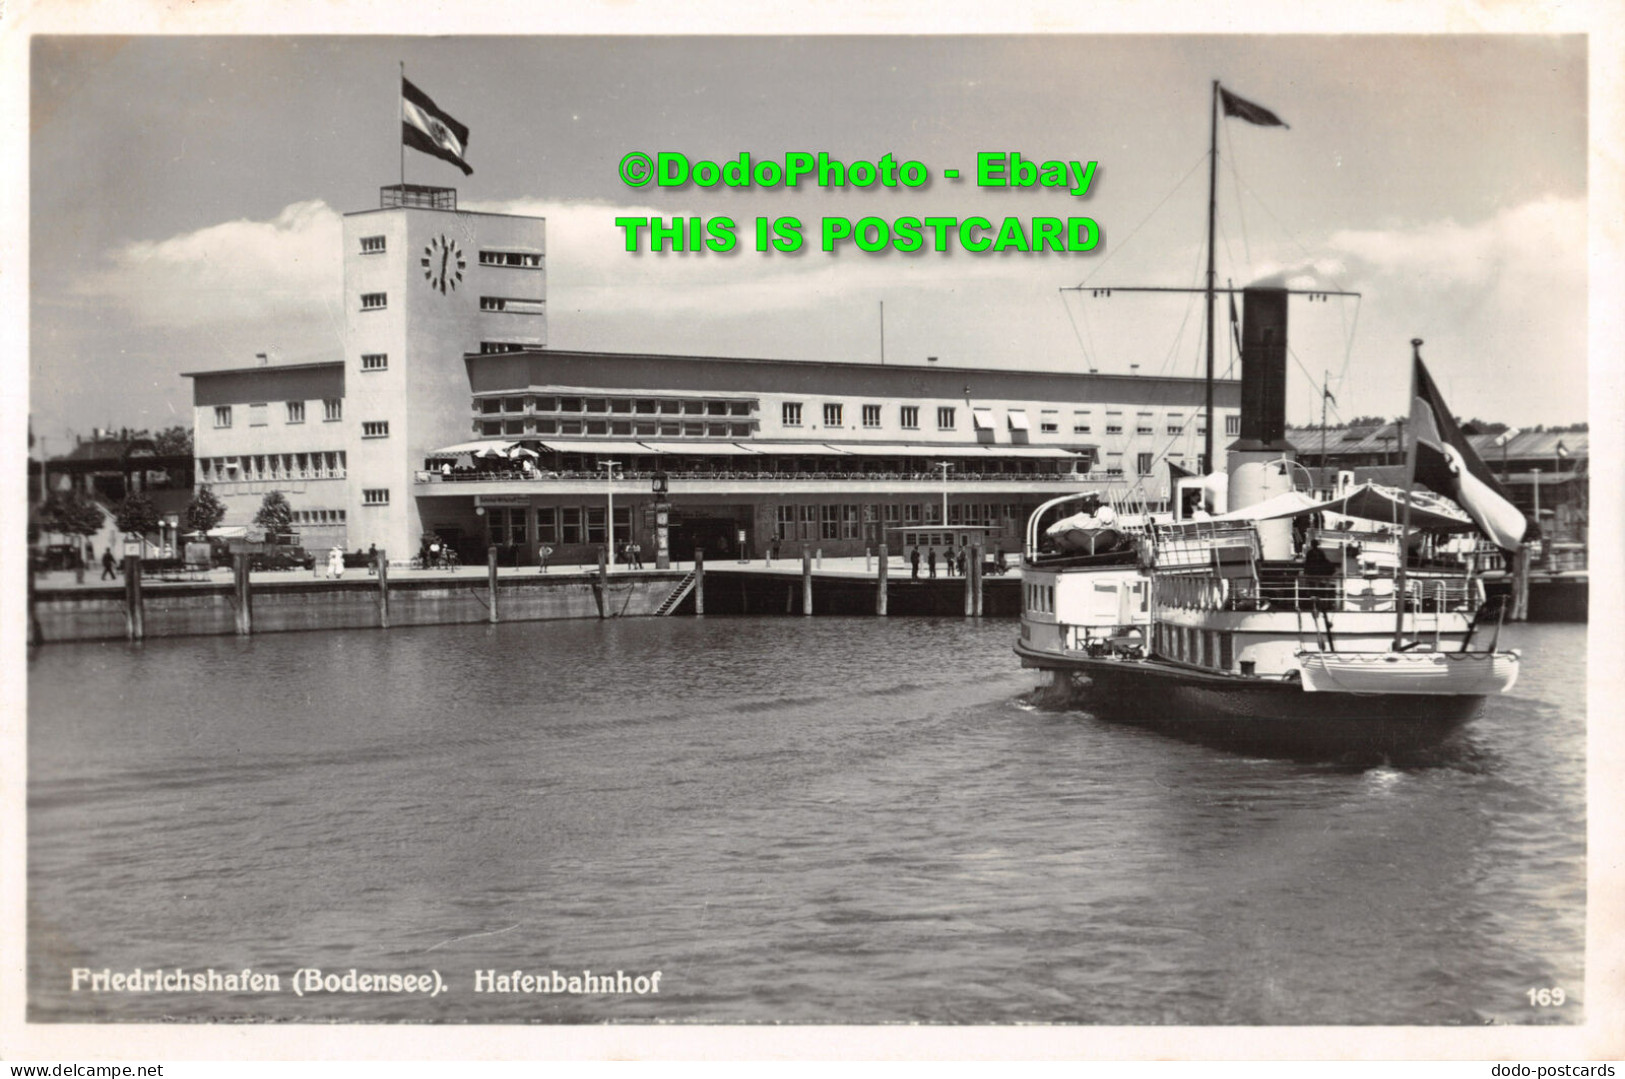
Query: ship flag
[
  {"x": 1446, "y": 463},
  {"x": 1243, "y": 109},
  {"x": 427, "y": 127}
]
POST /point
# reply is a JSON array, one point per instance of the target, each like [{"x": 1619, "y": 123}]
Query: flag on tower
[
  {"x": 1243, "y": 109},
  {"x": 1446, "y": 463},
  {"x": 427, "y": 127}
]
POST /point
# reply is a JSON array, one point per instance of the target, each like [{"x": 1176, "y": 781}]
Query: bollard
[
  {"x": 245, "y": 595},
  {"x": 491, "y": 578},
  {"x": 699, "y": 580},
  {"x": 867, "y": 552},
  {"x": 970, "y": 592},
  {"x": 820, "y": 558},
  {"x": 880, "y": 584},
  {"x": 976, "y": 578},
  {"x": 600, "y": 588},
  {"x": 382, "y": 566},
  {"x": 806, "y": 581}
]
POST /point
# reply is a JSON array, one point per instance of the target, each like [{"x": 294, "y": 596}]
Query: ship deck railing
[{"x": 1332, "y": 595}]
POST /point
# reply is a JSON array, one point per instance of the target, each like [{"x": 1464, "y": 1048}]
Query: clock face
[{"x": 443, "y": 264}]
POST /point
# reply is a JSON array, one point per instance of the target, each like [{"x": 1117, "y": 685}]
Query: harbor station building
[{"x": 447, "y": 414}]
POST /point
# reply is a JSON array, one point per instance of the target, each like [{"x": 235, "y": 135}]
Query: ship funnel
[
  {"x": 1260, "y": 459},
  {"x": 1263, "y": 371}
]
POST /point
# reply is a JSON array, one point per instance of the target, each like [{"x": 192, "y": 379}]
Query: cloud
[{"x": 290, "y": 267}]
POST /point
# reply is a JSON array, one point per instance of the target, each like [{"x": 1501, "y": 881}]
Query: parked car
[{"x": 281, "y": 556}]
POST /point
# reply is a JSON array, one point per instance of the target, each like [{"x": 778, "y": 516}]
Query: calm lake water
[{"x": 810, "y": 821}]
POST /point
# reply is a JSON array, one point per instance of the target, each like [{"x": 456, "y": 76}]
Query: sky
[{"x": 186, "y": 194}]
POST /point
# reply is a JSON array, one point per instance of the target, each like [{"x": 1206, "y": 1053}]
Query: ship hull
[{"x": 1273, "y": 718}]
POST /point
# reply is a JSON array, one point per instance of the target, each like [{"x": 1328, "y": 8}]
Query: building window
[
  {"x": 520, "y": 260},
  {"x": 222, "y": 415},
  {"x": 945, "y": 419},
  {"x": 374, "y": 301},
  {"x": 1175, "y": 428},
  {"x": 372, "y": 245},
  {"x": 491, "y": 427},
  {"x": 1081, "y": 429},
  {"x": 257, "y": 415},
  {"x": 375, "y": 496},
  {"x": 375, "y": 429},
  {"x": 832, "y": 415},
  {"x": 513, "y": 305},
  {"x": 909, "y": 416},
  {"x": 570, "y": 524},
  {"x": 332, "y": 409},
  {"x": 851, "y": 527},
  {"x": 492, "y": 347},
  {"x": 830, "y": 522},
  {"x": 1114, "y": 428},
  {"x": 547, "y": 525},
  {"x": 1049, "y": 422},
  {"x": 1143, "y": 429},
  {"x": 1232, "y": 425},
  {"x": 1143, "y": 463},
  {"x": 375, "y": 361},
  {"x": 792, "y": 414},
  {"x": 296, "y": 412},
  {"x": 595, "y": 524}
]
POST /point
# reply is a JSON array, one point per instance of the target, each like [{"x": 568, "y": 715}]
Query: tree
[
  {"x": 173, "y": 442},
  {"x": 204, "y": 511},
  {"x": 71, "y": 514},
  {"x": 136, "y": 515},
  {"x": 275, "y": 515}
]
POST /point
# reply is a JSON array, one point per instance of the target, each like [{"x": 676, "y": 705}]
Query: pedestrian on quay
[
  {"x": 964, "y": 564},
  {"x": 931, "y": 561},
  {"x": 914, "y": 560},
  {"x": 637, "y": 555},
  {"x": 107, "y": 564},
  {"x": 335, "y": 562},
  {"x": 372, "y": 560},
  {"x": 542, "y": 554}
]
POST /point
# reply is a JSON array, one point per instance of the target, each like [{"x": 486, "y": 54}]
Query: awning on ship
[{"x": 1367, "y": 501}]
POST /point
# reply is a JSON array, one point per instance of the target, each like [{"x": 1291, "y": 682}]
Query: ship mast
[{"x": 1212, "y": 281}]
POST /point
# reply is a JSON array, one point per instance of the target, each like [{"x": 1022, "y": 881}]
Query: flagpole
[
  {"x": 1405, "y": 517},
  {"x": 1212, "y": 211},
  {"x": 400, "y": 99}
]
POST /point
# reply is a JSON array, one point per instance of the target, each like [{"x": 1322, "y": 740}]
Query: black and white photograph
[{"x": 918, "y": 528}]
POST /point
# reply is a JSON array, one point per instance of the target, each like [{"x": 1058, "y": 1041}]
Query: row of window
[
  {"x": 272, "y": 466},
  {"x": 557, "y": 524},
  {"x": 378, "y": 301},
  {"x": 491, "y": 406},
  {"x": 318, "y": 517},
  {"x": 812, "y": 521},
  {"x": 259, "y": 413},
  {"x": 908, "y": 417},
  {"x": 494, "y": 428},
  {"x": 523, "y": 260}
]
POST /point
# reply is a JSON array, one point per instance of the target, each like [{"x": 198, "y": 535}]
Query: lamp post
[
  {"x": 609, "y": 468},
  {"x": 945, "y": 466}
]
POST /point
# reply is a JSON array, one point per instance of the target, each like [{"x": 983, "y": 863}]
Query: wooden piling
[
  {"x": 381, "y": 563},
  {"x": 806, "y": 581},
  {"x": 34, "y": 636},
  {"x": 245, "y": 594},
  {"x": 491, "y": 580},
  {"x": 134, "y": 613},
  {"x": 880, "y": 582},
  {"x": 970, "y": 589},
  {"x": 976, "y": 578},
  {"x": 1520, "y": 586},
  {"x": 699, "y": 580},
  {"x": 600, "y": 587}
]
